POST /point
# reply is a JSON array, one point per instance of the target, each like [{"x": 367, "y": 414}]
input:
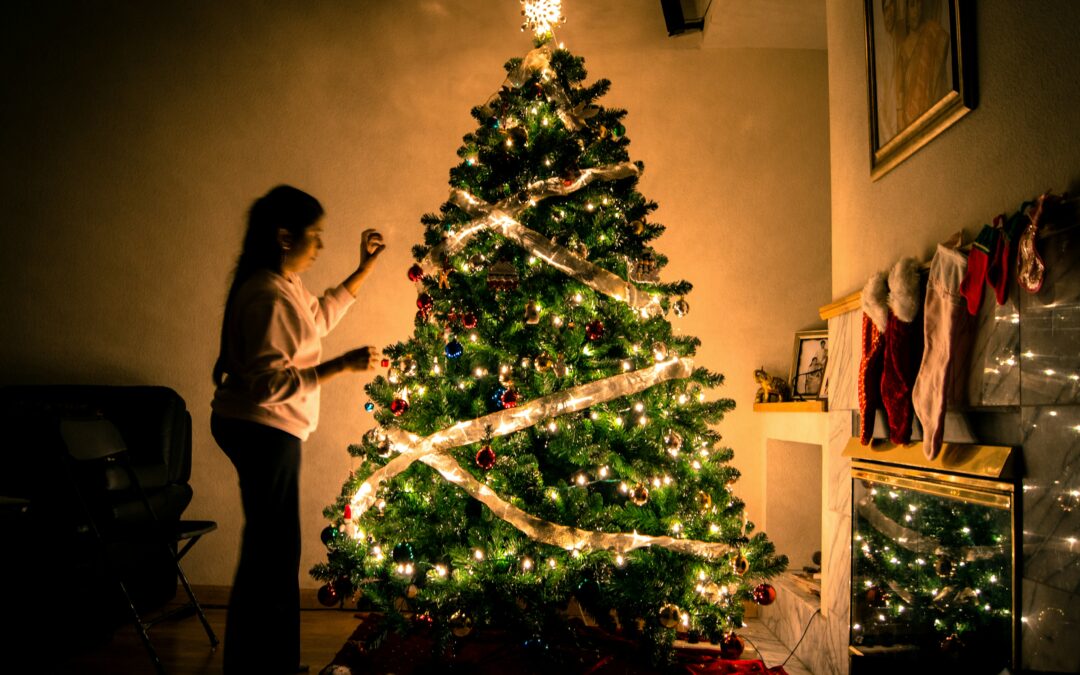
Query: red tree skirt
[{"x": 491, "y": 652}]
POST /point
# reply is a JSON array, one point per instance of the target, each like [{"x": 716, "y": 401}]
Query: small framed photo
[
  {"x": 920, "y": 74},
  {"x": 808, "y": 364}
]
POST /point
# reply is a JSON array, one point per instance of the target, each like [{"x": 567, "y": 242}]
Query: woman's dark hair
[{"x": 283, "y": 207}]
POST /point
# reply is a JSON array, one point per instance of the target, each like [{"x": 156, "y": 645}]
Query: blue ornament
[
  {"x": 369, "y": 406},
  {"x": 497, "y": 397},
  {"x": 454, "y": 349}
]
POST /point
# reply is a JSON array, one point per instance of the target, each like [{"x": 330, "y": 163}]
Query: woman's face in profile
[{"x": 303, "y": 252}]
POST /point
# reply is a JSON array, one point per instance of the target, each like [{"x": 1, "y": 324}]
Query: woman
[{"x": 268, "y": 374}]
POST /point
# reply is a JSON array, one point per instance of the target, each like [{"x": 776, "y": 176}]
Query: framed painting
[{"x": 920, "y": 74}]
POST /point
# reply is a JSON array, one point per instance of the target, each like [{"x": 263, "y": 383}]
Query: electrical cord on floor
[{"x": 792, "y": 652}]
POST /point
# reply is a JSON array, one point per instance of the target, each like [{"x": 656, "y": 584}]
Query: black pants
[{"x": 262, "y": 628}]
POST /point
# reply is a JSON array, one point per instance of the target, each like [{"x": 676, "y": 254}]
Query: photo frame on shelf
[
  {"x": 811, "y": 355},
  {"x": 920, "y": 74}
]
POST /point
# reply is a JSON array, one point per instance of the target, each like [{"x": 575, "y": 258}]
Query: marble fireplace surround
[{"x": 1025, "y": 378}]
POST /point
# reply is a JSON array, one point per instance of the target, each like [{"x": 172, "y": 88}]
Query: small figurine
[{"x": 772, "y": 390}]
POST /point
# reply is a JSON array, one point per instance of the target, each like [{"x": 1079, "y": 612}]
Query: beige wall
[
  {"x": 1022, "y": 139},
  {"x": 135, "y": 138}
]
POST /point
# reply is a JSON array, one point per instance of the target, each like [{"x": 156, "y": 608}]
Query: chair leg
[
  {"x": 140, "y": 628},
  {"x": 197, "y": 606}
]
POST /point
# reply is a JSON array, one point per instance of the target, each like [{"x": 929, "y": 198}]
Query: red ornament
[
  {"x": 731, "y": 646},
  {"x": 385, "y": 363},
  {"x": 328, "y": 595},
  {"x": 764, "y": 594},
  {"x": 416, "y": 273},
  {"x": 425, "y": 303},
  {"x": 485, "y": 459},
  {"x": 399, "y": 406},
  {"x": 348, "y": 512},
  {"x": 509, "y": 398},
  {"x": 468, "y": 320},
  {"x": 594, "y": 330}
]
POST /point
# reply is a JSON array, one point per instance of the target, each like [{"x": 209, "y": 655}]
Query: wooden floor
[{"x": 184, "y": 649}]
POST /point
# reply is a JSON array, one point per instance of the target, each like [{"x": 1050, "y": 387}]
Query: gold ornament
[
  {"x": 670, "y": 615},
  {"x": 532, "y": 313},
  {"x": 740, "y": 564},
  {"x": 681, "y": 307},
  {"x": 460, "y": 624},
  {"x": 639, "y": 494},
  {"x": 704, "y": 500},
  {"x": 637, "y": 227},
  {"x": 672, "y": 442},
  {"x": 543, "y": 363}
]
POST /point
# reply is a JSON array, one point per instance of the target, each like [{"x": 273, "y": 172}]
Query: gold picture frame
[
  {"x": 920, "y": 74},
  {"x": 811, "y": 355}
]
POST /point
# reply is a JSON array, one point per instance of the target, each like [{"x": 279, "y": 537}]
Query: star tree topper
[{"x": 541, "y": 16}]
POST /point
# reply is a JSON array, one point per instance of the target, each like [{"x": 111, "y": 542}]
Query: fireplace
[{"x": 934, "y": 582}]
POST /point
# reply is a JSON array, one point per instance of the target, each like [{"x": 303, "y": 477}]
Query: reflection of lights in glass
[
  {"x": 1049, "y": 371},
  {"x": 1029, "y": 354}
]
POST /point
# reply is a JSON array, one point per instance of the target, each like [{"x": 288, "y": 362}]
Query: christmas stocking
[
  {"x": 947, "y": 333},
  {"x": 997, "y": 267},
  {"x": 874, "y": 300},
  {"x": 978, "y": 261},
  {"x": 903, "y": 348}
]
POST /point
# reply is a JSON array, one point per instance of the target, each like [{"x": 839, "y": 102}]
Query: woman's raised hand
[
  {"x": 364, "y": 358},
  {"x": 371, "y": 245}
]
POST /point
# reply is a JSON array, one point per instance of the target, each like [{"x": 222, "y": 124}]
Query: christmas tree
[{"x": 544, "y": 435}]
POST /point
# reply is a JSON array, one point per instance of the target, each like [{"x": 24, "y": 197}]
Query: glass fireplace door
[{"x": 933, "y": 572}]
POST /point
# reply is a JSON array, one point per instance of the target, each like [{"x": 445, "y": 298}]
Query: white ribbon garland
[
  {"x": 502, "y": 217},
  {"x": 434, "y": 450}
]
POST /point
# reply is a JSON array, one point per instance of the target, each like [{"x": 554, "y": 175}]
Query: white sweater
[{"x": 272, "y": 345}]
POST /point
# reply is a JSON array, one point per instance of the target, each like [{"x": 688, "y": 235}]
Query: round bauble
[
  {"x": 468, "y": 320},
  {"x": 416, "y": 273},
  {"x": 944, "y": 566},
  {"x": 876, "y": 596},
  {"x": 509, "y": 398},
  {"x": 673, "y": 442},
  {"x": 425, "y": 303},
  {"x": 461, "y": 624},
  {"x": 543, "y": 363},
  {"x": 670, "y": 615},
  {"x": 594, "y": 330},
  {"x": 637, "y": 227},
  {"x": 328, "y": 595},
  {"x": 731, "y": 647},
  {"x": 681, "y": 307},
  {"x": 399, "y": 407},
  {"x": 704, "y": 500},
  {"x": 485, "y": 457},
  {"x": 639, "y": 494},
  {"x": 454, "y": 349},
  {"x": 329, "y": 534},
  {"x": 369, "y": 406},
  {"x": 739, "y": 564},
  {"x": 403, "y": 552},
  {"x": 764, "y": 594}
]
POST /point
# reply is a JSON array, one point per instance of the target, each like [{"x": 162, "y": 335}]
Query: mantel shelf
[{"x": 817, "y": 405}]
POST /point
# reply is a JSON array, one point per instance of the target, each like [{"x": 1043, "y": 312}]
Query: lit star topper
[{"x": 541, "y": 15}]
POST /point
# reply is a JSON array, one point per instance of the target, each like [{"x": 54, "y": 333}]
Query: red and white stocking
[
  {"x": 903, "y": 347},
  {"x": 874, "y": 299}
]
